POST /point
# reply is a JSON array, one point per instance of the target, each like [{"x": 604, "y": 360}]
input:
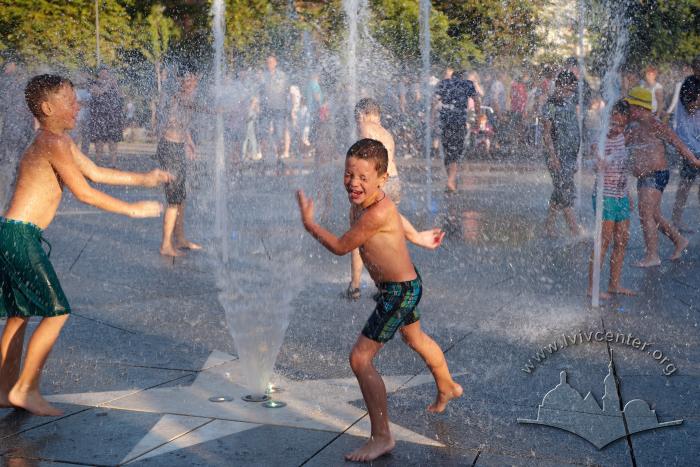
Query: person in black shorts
[
  {"x": 453, "y": 96},
  {"x": 175, "y": 146}
]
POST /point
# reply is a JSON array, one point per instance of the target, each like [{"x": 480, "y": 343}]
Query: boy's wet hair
[
  {"x": 565, "y": 78},
  {"x": 38, "y": 90},
  {"x": 689, "y": 91},
  {"x": 370, "y": 150},
  {"x": 367, "y": 106},
  {"x": 621, "y": 107}
]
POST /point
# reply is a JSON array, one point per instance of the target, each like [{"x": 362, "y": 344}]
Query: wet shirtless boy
[
  {"x": 378, "y": 231},
  {"x": 28, "y": 284},
  {"x": 645, "y": 136}
]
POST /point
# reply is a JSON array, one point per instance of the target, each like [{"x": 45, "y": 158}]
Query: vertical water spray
[
  {"x": 581, "y": 103},
  {"x": 610, "y": 89},
  {"x": 351, "y": 8},
  {"x": 425, "y": 7},
  {"x": 221, "y": 224}
]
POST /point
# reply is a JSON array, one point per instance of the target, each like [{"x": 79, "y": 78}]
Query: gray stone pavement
[{"x": 148, "y": 341}]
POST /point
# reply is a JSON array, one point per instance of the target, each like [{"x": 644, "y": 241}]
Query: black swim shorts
[
  {"x": 453, "y": 136},
  {"x": 28, "y": 282},
  {"x": 397, "y": 306},
  {"x": 657, "y": 180},
  {"x": 171, "y": 157}
]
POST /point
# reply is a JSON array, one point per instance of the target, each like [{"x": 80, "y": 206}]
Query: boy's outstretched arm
[
  {"x": 63, "y": 162},
  {"x": 368, "y": 225},
  {"x": 107, "y": 176},
  {"x": 430, "y": 239}
]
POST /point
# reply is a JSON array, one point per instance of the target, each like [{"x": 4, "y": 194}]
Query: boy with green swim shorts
[
  {"x": 616, "y": 200},
  {"x": 377, "y": 229},
  {"x": 28, "y": 284}
]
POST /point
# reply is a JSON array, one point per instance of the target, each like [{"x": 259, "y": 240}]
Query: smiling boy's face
[{"x": 362, "y": 182}]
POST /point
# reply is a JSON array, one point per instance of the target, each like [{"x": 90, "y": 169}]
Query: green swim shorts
[
  {"x": 614, "y": 209},
  {"x": 28, "y": 282},
  {"x": 396, "y": 307}
]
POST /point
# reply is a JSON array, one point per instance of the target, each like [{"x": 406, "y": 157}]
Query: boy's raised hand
[
  {"x": 430, "y": 239},
  {"x": 306, "y": 208},
  {"x": 157, "y": 177}
]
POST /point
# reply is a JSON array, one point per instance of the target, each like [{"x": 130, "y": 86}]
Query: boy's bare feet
[
  {"x": 375, "y": 446},
  {"x": 680, "y": 248},
  {"x": 187, "y": 245},
  {"x": 647, "y": 263},
  {"x": 170, "y": 251},
  {"x": 33, "y": 402},
  {"x": 622, "y": 291},
  {"x": 443, "y": 397}
]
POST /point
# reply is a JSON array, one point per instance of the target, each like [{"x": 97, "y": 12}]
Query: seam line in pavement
[
  {"x": 105, "y": 324},
  {"x": 133, "y": 459},
  {"x": 628, "y": 436},
  {"x": 58, "y": 460},
  {"x": 478, "y": 453},
  {"x": 45, "y": 423},
  {"x": 92, "y": 234}
]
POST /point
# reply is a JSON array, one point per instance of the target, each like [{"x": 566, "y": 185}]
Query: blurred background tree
[{"x": 59, "y": 33}]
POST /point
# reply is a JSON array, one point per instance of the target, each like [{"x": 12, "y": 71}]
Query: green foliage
[
  {"x": 663, "y": 30},
  {"x": 395, "y": 24},
  {"x": 499, "y": 29},
  {"x": 155, "y": 34},
  {"x": 463, "y": 32},
  {"x": 62, "y": 33}
]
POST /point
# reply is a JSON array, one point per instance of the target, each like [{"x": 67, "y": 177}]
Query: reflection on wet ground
[{"x": 474, "y": 224}]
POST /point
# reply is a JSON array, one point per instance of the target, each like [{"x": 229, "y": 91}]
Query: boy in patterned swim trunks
[
  {"x": 378, "y": 231},
  {"x": 28, "y": 284},
  {"x": 645, "y": 136}
]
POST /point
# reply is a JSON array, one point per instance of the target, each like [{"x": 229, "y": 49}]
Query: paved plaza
[{"x": 148, "y": 341}]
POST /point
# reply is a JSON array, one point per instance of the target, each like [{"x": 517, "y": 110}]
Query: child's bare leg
[
  {"x": 649, "y": 202},
  {"x": 374, "y": 394},
  {"x": 25, "y": 393},
  {"x": 570, "y": 218},
  {"x": 433, "y": 357},
  {"x": 550, "y": 221},
  {"x": 452, "y": 176},
  {"x": 671, "y": 232},
  {"x": 112, "y": 146},
  {"x": 169, "y": 218},
  {"x": 180, "y": 240},
  {"x": 617, "y": 258},
  {"x": 682, "y": 192},
  {"x": 606, "y": 235},
  {"x": 11, "y": 356}
]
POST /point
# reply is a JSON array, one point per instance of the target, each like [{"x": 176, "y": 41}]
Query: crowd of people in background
[{"x": 274, "y": 114}]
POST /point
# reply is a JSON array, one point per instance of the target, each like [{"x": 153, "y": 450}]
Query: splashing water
[{"x": 610, "y": 89}]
